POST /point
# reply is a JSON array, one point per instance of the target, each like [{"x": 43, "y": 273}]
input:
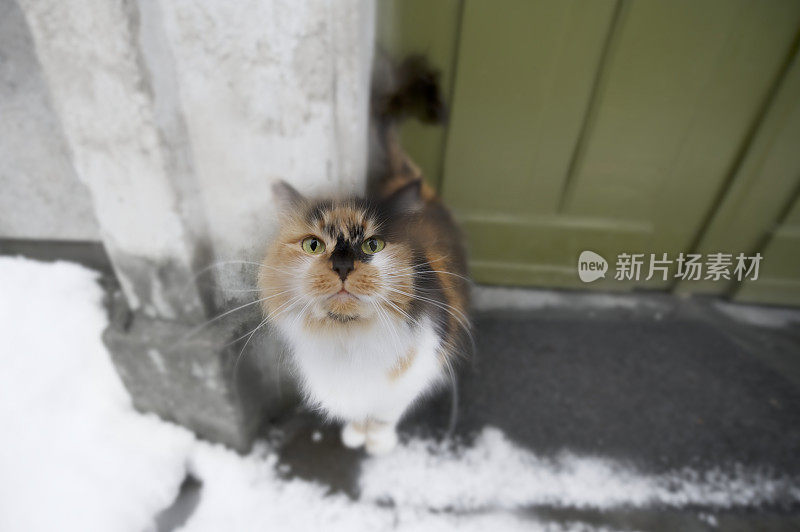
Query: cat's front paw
[
  {"x": 381, "y": 441},
  {"x": 354, "y": 435}
]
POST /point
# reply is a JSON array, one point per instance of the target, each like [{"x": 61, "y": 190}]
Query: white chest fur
[{"x": 374, "y": 373}]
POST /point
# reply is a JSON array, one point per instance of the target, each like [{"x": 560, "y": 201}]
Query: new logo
[{"x": 591, "y": 266}]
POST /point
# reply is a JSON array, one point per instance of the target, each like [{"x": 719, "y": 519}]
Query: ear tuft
[
  {"x": 406, "y": 199},
  {"x": 286, "y": 195}
]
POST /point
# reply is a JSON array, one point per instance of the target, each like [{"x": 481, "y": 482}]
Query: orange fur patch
[
  {"x": 286, "y": 266},
  {"x": 290, "y": 278},
  {"x": 403, "y": 364}
]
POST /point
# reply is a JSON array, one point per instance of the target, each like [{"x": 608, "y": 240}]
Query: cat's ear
[
  {"x": 286, "y": 196},
  {"x": 406, "y": 199}
]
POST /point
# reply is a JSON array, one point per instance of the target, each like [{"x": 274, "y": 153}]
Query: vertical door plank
[
  {"x": 684, "y": 87},
  {"x": 524, "y": 78},
  {"x": 406, "y": 27},
  {"x": 763, "y": 187},
  {"x": 779, "y": 278}
]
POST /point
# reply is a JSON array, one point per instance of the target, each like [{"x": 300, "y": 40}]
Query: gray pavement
[{"x": 655, "y": 382}]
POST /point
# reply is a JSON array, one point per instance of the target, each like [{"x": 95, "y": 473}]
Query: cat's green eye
[
  {"x": 313, "y": 245},
  {"x": 372, "y": 245}
]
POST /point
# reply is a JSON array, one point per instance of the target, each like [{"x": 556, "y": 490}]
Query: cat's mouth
[
  {"x": 342, "y": 305},
  {"x": 344, "y": 295}
]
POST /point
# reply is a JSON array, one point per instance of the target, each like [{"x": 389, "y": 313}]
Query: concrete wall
[
  {"x": 269, "y": 89},
  {"x": 178, "y": 115},
  {"x": 40, "y": 194}
]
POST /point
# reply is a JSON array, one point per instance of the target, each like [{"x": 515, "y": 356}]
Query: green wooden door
[
  {"x": 760, "y": 210},
  {"x": 641, "y": 127}
]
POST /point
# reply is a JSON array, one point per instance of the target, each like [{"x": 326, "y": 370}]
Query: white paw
[
  {"x": 381, "y": 441},
  {"x": 353, "y": 436}
]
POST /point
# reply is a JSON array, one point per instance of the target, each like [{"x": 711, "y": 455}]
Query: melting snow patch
[
  {"x": 496, "y": 474},
  {"x": 493, "y": 298},
  {"x": 774, "y": 318},
  {"x": 76, "y": 456},
  {"x": 246, "y": 494}
]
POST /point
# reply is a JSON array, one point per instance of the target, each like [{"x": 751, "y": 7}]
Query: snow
[
  {"x": 244, "y": 493},
  {"x": 74, "y": 452},
  {"x": 771, "y": 317},
  {"x": 492, "y": 298},
  {"x": 494, "y": 473},
  {"x": 76, "y": 456}
]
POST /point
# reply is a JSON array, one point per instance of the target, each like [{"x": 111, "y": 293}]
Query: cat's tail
[{"x": 410, "y": 89}]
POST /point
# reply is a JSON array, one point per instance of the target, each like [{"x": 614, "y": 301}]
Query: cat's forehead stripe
[{"x": 348, "y": 221}]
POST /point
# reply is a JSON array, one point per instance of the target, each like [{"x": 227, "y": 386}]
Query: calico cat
[{"x": 370, "y": 294}]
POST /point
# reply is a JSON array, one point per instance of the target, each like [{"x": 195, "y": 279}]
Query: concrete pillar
[
  {"x": 41, "y": 197},
  {"x": 178, "y": 115}
]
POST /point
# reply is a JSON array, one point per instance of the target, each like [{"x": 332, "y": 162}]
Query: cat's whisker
[
  {"x": 435, "y": 293},
  {"x": 250, "y": 335},
  {"x": 235, "y": 340},
  {"x": 278, "y": 371},
  {"x": 194, "y": 278},
  {"x": 433, "y": 301},
  {"x": 219, "y": 263},
  {"x": 388, "y": 323},
  {"x": 236, "y": 290},
  {"x": 424, "y": 272},
  {"x": 379, "y": 314},
  {"x": 462, "y": 320},
  {"x": 284, "y": 307},
  {"x": 418, "y": 264},
  {"x": 279, "y": 270},
  {"x": 236, "y": 261},
  {"x": 241, "y": 352},
  {"x": 268, "y": 317},
  {"x": 300, "y": 314},
  {"x": 450, "y": 310},
  {"x": 205, "y": 324},
  {"x": 415, "y": 269},
  {"x": 397, "y": 308},
  {"x": 451, "y": 425},
  {"x": 384, "y": 320}
]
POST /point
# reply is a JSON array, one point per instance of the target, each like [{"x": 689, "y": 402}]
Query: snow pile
[
  {"x": 74, "y": 454},
  {"x": 245, "y": 493},
  {"x": 494, "y": 473}
]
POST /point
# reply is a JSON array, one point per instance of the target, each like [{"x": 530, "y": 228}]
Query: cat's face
[{"x": 337, "y": 263}]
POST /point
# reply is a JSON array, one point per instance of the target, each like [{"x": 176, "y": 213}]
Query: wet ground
[{"x": 656, "y": 382}]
